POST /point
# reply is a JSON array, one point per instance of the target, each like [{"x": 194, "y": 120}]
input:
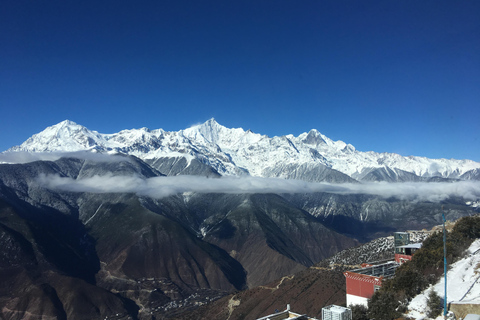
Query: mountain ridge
[
  {"x": 236, "y": 152},
  {"x": 137, "y": 255}
]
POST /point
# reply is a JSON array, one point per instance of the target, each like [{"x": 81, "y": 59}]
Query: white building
[{"x": 334, "y": 312}]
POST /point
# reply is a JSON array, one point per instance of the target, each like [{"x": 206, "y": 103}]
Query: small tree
[
  {"x": 359, "y": 312},
  {"x": 468, "y": 227},
  {"x": 409, "y": 280},
  {"x": 383, "y": 306},
  {"x": 434, "y": 305}
]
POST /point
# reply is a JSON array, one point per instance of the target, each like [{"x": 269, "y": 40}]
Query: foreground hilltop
[{"x": 212, "y": 149}]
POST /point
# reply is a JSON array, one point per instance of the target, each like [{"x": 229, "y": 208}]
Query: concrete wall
[{"x": 352, "y": 300}]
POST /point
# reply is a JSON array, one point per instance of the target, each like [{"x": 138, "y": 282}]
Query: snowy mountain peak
[
  {"x": 209, "y": 131},
  {"x": 313, "y": 137},
  {"x": 65, "y": 136},
  {"x": 213, "y": 134},
  {"x": 65, "y": 123},
  {"x": 211, "y": 122},
  {"x": 310, "y": 156},
  {"x": 63, "y": 127}
]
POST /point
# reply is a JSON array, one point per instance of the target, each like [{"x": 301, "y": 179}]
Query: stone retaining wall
[{"x": 461, "y": 310}]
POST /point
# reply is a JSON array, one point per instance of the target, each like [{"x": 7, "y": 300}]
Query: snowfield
[
  {"x": 463, "y": 285},
  {"x": 235, "y": 152}
]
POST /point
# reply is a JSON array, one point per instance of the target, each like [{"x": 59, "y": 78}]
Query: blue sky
[{"x": 387, "y": 76}]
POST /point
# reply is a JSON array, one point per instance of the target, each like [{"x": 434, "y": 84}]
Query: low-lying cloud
[
  {"x": 160, "y": 187},
  {"x": 26, "y": 157}
]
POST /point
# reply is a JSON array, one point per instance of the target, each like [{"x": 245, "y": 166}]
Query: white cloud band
[
  {"x": 26, "y": 157},
  {"x": 159, "y": 187}
]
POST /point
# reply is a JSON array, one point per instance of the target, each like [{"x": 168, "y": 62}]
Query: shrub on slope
[{"x": 424, "y": 269}]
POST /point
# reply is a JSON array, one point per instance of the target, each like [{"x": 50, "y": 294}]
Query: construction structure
[
  {"x": 362, "y": 283},
  {"x": 404, "y": 250},
  {"x": 334, "y": 312}
]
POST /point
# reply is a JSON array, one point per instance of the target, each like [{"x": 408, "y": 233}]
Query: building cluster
[{"x": 361, "y": 283}]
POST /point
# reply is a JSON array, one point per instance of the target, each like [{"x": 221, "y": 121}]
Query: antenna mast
[{"x": 444, "y": 264}]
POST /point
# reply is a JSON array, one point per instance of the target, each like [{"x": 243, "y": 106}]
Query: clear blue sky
[{"x": 388, "y": 76}]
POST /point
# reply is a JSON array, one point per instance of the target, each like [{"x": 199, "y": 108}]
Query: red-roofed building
[{"x": 363, "y": 282}]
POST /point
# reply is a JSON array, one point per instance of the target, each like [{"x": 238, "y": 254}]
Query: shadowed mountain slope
[{"x": 137, "y": 255}]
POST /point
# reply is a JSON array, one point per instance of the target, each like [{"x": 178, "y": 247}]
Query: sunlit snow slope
[
  {"x": 463, "y": 286},
  {"x": 310, "y": 156}
]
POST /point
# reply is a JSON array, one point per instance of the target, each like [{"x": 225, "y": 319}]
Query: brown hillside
[{"x": 307, "y": 292}]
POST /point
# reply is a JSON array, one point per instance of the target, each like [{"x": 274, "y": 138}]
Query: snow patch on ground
[
  {"x": 463, "y": 284},
  {"x": 474, "y": 204}
]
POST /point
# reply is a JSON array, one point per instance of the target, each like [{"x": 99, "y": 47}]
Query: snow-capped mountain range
[{"x": 233, "y": 152}]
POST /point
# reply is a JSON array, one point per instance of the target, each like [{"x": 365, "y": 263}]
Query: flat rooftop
[
  {"x": 385, "y": 270},
  {"x": 411, "y": 246}
]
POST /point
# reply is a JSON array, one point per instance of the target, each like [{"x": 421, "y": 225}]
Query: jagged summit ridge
[
  {"x": 310, "y": 156},
  {"x": 66, "y": 136}
]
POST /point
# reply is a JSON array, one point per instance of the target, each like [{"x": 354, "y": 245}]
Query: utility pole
[{"x": 444, "y": 264}]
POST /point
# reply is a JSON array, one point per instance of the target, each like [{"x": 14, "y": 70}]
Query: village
[{"x": 363, "y": 282}]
